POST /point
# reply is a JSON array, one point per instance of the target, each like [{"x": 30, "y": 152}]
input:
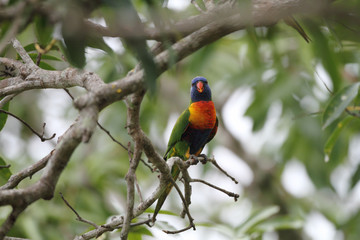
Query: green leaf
[
  {"x": 5, "y": 173},
  {"x": 329, "y": 145},
  {"x": 338, "y": 103},
  {"x": 43, "y": 30},
  {"x": 46, "y": 66},
  {"x": 166, "y": 212},
  {"x": 140, "y": 230},
  {"x": 45, "y": 57},
  {"x": 122, "y": 15},
  {"x": 323, "y": 49},
  {"x": 279, "y": 223},
  {"x": 134, "y": 236},
  {"x": 74, "y": 34},
  {"x": 30, "y": 47},
  {"x": 75, "y": 51},
  {"x": 3, "y": 116},
  {"x": 356, "y": 177},
  {"x": 99, "y": 43},
  {"x": 256, "y": 218}
]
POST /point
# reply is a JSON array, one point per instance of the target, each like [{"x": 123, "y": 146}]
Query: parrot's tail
[{"x": 175, "y": 171}]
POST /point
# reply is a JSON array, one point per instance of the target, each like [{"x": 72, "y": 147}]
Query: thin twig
[
  {"x": 147, "y": 222},
  {"x": 179, "y": 231},
  {"x": 326, "y": 86},
  {"x": 10, "y": 220},
  {"x": 138, "y": 190},
  {"x": 15, "y": 238},
  {"x": 70, "y": 95},
  {"x": 183, "y": 166},
  {"x": 5, "y": 166},
  {"x": 41, "y": 136},
  {"x": 6, "y": 99},
  {"x": 193, "y": 2},
  {"x": 349, "y": 110},
  {"x": 15, "y": 179},
  {"x": 78, "y": 217},
  {"x": 38, "y": 59},
  {"x": 22, "y": 52},
  {"x": 230, "y": 194},
  {"x": 204, "y": 159},
  {"x": 123, "y": 146},
  {"x": 133, "y": 112},
  {"x": 186, "y": 209},
  {"x": 213, "y": 161},
  {"x": 187, "y": 191}
]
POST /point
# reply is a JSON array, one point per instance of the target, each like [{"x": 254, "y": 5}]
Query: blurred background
[{"x": 271, "y": 89}]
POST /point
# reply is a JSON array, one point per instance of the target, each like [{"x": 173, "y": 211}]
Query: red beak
[{"x": 200, "y": 86}]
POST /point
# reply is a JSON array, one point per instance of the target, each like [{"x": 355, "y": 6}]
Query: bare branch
[
  {"x": 214, "y": 162},
  {"x": 133, "y": 125},
  {"x": 183, "y": 166},
  {"x": 15, "y": 238},
  {"x": 41, "y": 136},
  {"x": 23, "y": 54},
  {"x": 10, "y": 220},
  {"x": 6, "y": 99},
  {"x": 230, "y": 194},
  {"x": 123, "y": 146},
  {"x": 78, "y": 217},
  {"x": 185, "y": 204},
  {"x": 138, "y": 190},
  {"x": 187, "y": 191},
  {"x": 15, "y": 179},
  {"x": 116, "y": 223},
  {"x": 179, "y": 231},
  {"x": 10, "y": 64}
]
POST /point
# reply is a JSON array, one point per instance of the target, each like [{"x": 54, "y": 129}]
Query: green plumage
[
  {"x": 179, "y": 128},
  {"x": 176, "y": 147}
]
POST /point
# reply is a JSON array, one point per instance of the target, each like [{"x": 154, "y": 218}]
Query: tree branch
[
  {"x": 133, "y": 123},
  {"x": 41, "y": 136},
  {"x": 15, "y": 179},
  {"x": 230, "y": 194},
  {"x": 23, "y": 54},
  {"x": 78, "y": 217},
  {"x": 10, "y": 220}
]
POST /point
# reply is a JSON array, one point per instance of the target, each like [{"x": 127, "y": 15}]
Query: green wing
[{"x": 180, "y": 127}]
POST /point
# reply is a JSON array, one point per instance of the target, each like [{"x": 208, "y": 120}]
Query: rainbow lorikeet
[{"x": 195, "y": 127}]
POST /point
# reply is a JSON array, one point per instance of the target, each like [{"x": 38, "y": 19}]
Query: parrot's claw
[
  {"x": 193, "y": 159},
  {"x": 205, "y": 158}
]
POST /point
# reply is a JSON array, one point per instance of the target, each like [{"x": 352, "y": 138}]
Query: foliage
[{"x": 303, "y": 107}]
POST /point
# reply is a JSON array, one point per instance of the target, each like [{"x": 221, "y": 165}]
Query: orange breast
[{"x": 202, "y": 115}]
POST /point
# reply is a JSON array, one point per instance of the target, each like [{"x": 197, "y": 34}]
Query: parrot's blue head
[{"x": 200, "y": 90}]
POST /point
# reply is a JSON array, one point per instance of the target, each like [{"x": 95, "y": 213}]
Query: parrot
[{"x": 194, "y": 128}]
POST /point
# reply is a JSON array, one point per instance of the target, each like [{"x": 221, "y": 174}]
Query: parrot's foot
[
  {"x": 193, "y": 159},
  {"x": 204, "y": 158}
]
